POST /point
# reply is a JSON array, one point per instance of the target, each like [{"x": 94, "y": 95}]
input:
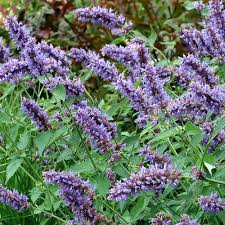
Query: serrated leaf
[
  {"x": 42, "y": 140},
  {"x": 35, "y": 194},
  {"x": 12, "y": 167},
  {"x": 152, "y": 38},
  {"x": 102, "y": 184},
  {"x": 59, "y": 92},
  {"x": 24, "y": 140},
  {"x": 65, "y": 155}
]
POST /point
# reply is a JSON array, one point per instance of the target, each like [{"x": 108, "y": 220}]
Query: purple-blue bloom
[
  {"x": 13, "y": 70},
  {"x": 147, "y": 179},
  {"x": 36, "y": 113},
  {"x": 185, "y": 220},
  {"x": 4, "y": 52},
  {"x": 97, "y": 126},
  {"x": 161, "y": 219},
  {"x": 13, "y": 198},
  {"x": 77, "y": 194},
  {"x": 155, "y": 158},
  {"x": 18, "y": 32},
  {"x": 192, "y": 69},
  {"x": 154, "y": 89},
  {"x": 103, "y": 68},
  {"x": 105, "y": 18},
  {"x": 73, "y": 87},
  {"x": 212, "y": 203},
  {"x": 207, "y": 129}
]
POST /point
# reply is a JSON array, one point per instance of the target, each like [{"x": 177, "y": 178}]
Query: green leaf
[
  {"x": 24, "y": 140},
  {"x": 42, "y": 140},
  {"x": 35, "y": 194},
  {"x": 12, "y": 167},
  {"x": 220, "y": 125},
  {"x": 209, "y": 167},
  {"x": 139, "y": 207},
  {"x": 163, "y": 136},
  {"x": 65, "y": 155},
  {"x": 102, "y": 184},
  {"x": 59, "y": 92},
  {"x": 152, "y": 38}
]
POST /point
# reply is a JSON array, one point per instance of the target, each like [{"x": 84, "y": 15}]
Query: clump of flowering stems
[
  {"x": 77, "y": 194},
  {"x": 13, "y": 198},
  {"x": 197, "y": 174},
  {"x": 104, "y": 17},
  {"x": 73, "y": 87},
  {"x": 210, "y": 40},
  {"x": 147, "y": 179},
  {"x": 41, "y": 58},
  {"x": 100, "y": 131},
  {"x": 154, "y": 158},
  {"x": 199, "y": 100},
  {"x": 103, "y": 68},
  {"x": 135, "y": 56},
  {"x": 185, "y": 220},
  {"x": 4, "y": 52},
  {"x": 161, "y": 219},
  {"x": 212, "y": 203},
  {"x": 13, "y": 70},
  {"x": 207, "y": 129},
  {"x": 36, "y": 113},
  {"x": 191, "y": 69}
]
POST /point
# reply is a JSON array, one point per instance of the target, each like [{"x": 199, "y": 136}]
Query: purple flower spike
[
  {"x": 103, "y": 68},
  {"x": 77, "y": 194},
  {"x": 13, "y": 70},
  {"x": 43, "y": 58},
  {"x": 155, "y": 158},
  {"x": 36, "y": 113},
  {"x": 105, "y": 18},
  {"x": 18, "y": 32},
  {"x": 185, "y": 220},
  {"x": 161, "y": 219},
  {"x": 97, "y": 126},
  {"x": 147, "y": 179},
  {"x": 192, "y": 69},
  {"x": 207, "y": 129},
  {"x": 13, "y": 199},
  {"x": 212, "y": 203},
  {"x": 4, "y": 52},
  {"x": 73, "y": 87},
  {"x": 154, "y": 89}
]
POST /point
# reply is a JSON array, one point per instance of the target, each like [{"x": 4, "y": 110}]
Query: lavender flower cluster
[
  {"x": 212, "y": 203},
  {"x": 97, "y": 126},
  {"x": 210, "y": 40},
  {"x": 161, "y": 219},
  {"x": 13, "y": 198},
  {"x": 73, "y": 87},
  {"x": 77, "y": 194},
  {"x": 36, "y": 113},
  {"x": 105, "y": 18},
  {"x": 147, "y": 179},
  {"x": 4, "y": 52},
  {"x": 185, "y": 220}
]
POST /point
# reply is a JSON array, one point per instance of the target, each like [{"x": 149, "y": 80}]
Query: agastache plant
[
  {"x": 77, "y": 194},
  {"x": 104, "y": 17},
  {"x": 98, "y": 128},
  {"x": 147, "y": 179},
  {"x": 212, "y": 203},
  {"x": 13, "y": 198},
  {"x": 36, "y": 113}
]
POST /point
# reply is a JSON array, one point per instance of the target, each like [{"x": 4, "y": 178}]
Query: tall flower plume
[
  {"x": 13, "y": 70},
  {"x": 97, "y": 126},
  {"x": 185, "y": 220},
  {"x": 210, "y": 40},
  {"x": 73, "y": 87},
  {"x": 147, "y": 179},
  {"x": 212, "y": 203},
  {"x": 13, "y": 198},
  {"x": 36, "y": 113},
  {"x": 77, "y": 194},
  {"x": 105, "y": 18},
  {"x": 192, "y": 69},
  {"x": 4, "y": 52}
]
